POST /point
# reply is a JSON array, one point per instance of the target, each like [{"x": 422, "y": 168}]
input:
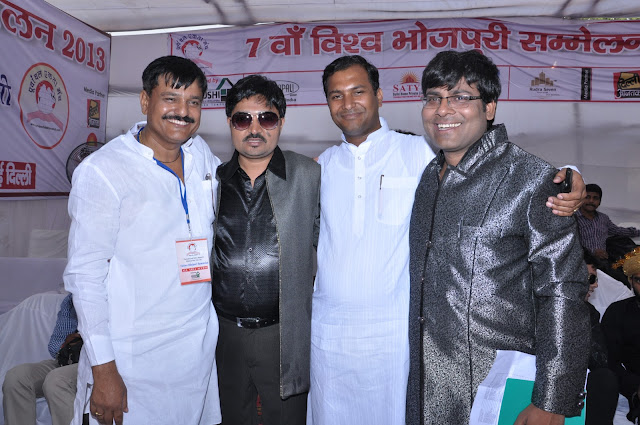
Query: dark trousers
[
  {"x": 248, "y": 363},
  {"x": 602, "y": 397}
]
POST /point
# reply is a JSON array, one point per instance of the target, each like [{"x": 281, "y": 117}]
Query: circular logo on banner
[
  {"x": 44, "y": 105},
  {"x": 192, "y": 46}
]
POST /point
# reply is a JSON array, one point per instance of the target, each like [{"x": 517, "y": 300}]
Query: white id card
[{"x": 193, "y": 261}]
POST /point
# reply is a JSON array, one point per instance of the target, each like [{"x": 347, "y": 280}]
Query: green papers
[{"x": 517, "y": 396}]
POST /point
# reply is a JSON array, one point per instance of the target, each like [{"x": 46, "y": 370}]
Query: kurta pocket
[{"x": 395, "y": 199}]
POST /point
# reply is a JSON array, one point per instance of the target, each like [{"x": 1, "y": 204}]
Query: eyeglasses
[
  {"x": 635, "y": 280},
  {"x": 456, "y": 101},
  {"x": 267, "y": 120}
]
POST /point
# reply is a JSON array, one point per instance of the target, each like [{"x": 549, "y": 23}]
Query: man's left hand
[
  {"x": 532, "y": 415},
  {"x": 565, "y": 204}
]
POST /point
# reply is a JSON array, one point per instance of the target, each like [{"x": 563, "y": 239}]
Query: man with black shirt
[{"x": 263, "y": 261}]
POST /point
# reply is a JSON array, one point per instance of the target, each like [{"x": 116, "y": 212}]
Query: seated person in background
[
  {"x": 621, "y": 327},
  {"x": 610, "y": 289},
  {"x": 602, "y": 383},
  {"x": 596, "y": 227},
  {"x": 57, "y": 384}
]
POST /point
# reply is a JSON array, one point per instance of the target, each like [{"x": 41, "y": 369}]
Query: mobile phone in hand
[{"x": 565, "y": 186}]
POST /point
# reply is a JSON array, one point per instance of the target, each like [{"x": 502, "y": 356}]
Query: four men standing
[{"x": 266, "y": 224}]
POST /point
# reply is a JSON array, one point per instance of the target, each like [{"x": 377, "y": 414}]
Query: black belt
[{"x": 249, "y": 322}]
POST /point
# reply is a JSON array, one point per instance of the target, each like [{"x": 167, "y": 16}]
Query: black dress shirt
[{"x": 246, "y": 261}]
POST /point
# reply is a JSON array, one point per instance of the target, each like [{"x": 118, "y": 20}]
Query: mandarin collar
[
  {"x": 372, "y": 138},
  {"x": 478, "y": 150}
]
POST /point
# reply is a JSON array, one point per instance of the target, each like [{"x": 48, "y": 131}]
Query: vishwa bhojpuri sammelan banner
[
  {"x": 544, "y": 59},
  {"x": 54, "y": 78}
]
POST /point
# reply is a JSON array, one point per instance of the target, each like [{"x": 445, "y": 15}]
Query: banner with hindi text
[
  {"x": 544, "y": 60},
  {"x": 54, "y": 78}
]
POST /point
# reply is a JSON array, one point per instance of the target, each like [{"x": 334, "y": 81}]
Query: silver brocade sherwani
[{"x": 501, "y": 271}]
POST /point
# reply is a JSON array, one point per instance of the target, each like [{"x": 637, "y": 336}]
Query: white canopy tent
[{"x": 127, "y": 15}]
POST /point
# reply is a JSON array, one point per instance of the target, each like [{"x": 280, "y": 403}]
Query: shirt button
[
  {"x": 359, "y": 158},
  {"x": 582, "y": 395},
  {"x": 421, "y": 319},
  {"x": 359, "y": 177},
  {"x": 581, "y": 404},
  {"x": 359, "y": 196},
  {"x": 250, "y": 249},
  {"x": 429, "y": 244}
]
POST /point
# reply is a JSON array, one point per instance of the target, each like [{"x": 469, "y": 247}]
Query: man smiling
[
  {"x": 265, "y": 231},
  {"x": 491, "y": 268},
  {"x": 141, "y": 231}
]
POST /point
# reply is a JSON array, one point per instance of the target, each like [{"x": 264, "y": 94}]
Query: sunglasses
[{"x": 267, "y": 120}]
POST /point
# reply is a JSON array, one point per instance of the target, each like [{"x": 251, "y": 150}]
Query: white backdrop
[{"x": 602, "y": 139}]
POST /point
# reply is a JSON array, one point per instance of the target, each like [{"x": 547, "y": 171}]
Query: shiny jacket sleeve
[{"x": 562, "y": 319}]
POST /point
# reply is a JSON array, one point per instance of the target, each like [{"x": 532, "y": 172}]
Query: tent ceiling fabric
[{"x": 131, "y": 15}]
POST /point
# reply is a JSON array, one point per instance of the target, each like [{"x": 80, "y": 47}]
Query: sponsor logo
[
  {"x": 542, "y": 86},
  {"x": 289, "y": 88},
  {"x": 5, "y": 91},
  {"x": 627, "y": 84},
  {"x": 217, "y": 96},
  {"x": 17, "y": 175},
  {"x": 408, "y": 87},
  {"x": 44, "y": 105},
  {"x": 93, "y": 113},
  {"x": 542, "y": 80}
]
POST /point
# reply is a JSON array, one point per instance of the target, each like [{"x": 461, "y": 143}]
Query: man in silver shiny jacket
[{"x": 491, "y": 267}]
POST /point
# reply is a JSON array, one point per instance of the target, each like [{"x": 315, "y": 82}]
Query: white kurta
[
  {"x": 359, "y": 330},
  {"x": 162, "y": 335}
]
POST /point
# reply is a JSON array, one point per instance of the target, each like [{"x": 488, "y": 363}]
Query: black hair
[
  {"x": 589, "y": 258},
  {"x": 592, "y": 187},
  {"x": 178, "y": 72},
  {"x": 447, "y": 68},
  {"x": 345, "y": 62},
  {"x": 256, "y": 85}
]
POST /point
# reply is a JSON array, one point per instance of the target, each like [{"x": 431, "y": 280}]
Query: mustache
[
  {"x": 186, "y": 118},
  {"x": 255, "y": 136}
]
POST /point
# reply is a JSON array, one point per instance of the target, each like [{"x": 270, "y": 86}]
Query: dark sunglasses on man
[{"x": 267, "y": 120}]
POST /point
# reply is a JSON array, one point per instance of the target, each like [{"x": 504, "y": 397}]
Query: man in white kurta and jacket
[
  {"x": 359, "y": 326},
  {"x": 142, "y": 213}
]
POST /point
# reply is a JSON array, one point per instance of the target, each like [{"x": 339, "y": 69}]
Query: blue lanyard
[{"x": 183, "y": 196}]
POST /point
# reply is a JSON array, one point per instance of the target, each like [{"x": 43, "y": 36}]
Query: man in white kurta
[
  {"x": 359, "y": 328},
  {"x": 359, "y": 338},
  {"x": 133, "y": 309}
]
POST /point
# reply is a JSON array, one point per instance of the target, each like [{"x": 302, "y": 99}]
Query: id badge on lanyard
[
  {"x": 192, "y": 253},
  {"x": 193, "y": 260}
]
